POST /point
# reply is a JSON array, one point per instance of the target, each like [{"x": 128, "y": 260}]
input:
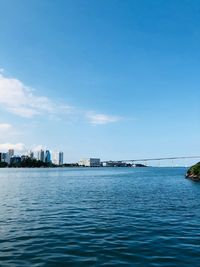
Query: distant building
[
  {"x": 58, "y": 158},
  {"x": 4, "y": 157},
  {"x": 11, "y": 152},
  {"x": 15, "y": 160},
  {"x": 108, "y": 164},
  {"x": 116, "y": 164},
  {"x": 31, "y": 154},
  {"x": 41, "y": 155},
  {"x": 61, "y": 158},
  {"x": 47, "y": 157},
  {"x": 91, "y": 162},
  {"x": 7, "y": 156}
]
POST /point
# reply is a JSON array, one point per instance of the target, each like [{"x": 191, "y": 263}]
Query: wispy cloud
[
  {"x": 97, "y": 119},
  {"x": 8, "y": 131},
  {"x": 21, "y": 100},
  {"x": 36, "y": 148},
  {"x": 19, "y": 147},
  {"x": 4, "y": 127}
]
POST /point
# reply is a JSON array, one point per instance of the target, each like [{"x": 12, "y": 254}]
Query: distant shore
[
  {"x": 68, "y": 166},
  {"x": 28, "y": 162}
]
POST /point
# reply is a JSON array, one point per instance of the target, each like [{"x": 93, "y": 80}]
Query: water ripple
[{"x": 99, "y": 217}]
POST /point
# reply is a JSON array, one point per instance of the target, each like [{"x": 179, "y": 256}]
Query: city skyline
[
  {"x": 100, "y": 79},
  {"x": 46, "y": 155}
]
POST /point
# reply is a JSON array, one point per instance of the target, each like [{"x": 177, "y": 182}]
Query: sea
[{"x": 99, "y": 217}]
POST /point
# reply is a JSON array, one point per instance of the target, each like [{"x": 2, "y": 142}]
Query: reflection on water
[{"x": 99, "y": 217}]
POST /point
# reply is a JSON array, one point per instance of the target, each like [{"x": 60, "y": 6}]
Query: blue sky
[{"x": 112, "y": 79}]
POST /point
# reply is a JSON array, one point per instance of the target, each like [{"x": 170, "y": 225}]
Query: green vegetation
[
  {"x": 33, "y": 163},
  {"x": 194, "y": 172},
  {"x": 28, "y": 163},
  {"x": 3, "y": 164},
  {"x": 70, "y": 165}
]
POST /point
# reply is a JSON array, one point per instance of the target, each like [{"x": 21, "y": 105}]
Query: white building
[
  {"x": 91, "y": 162},
  {"x": 9, "y": 155},
  {"x": 58, "y": 158}
]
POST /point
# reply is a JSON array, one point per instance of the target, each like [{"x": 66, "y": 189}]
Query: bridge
[{"x": 145, "y": 160}]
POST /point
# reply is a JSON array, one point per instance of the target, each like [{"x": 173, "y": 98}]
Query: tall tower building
[
  {"x": 9, "y": 155},
  {"x": 11, "y": 152},
  {"x": 47, "y": 156},
  {"x": 31, "y": 154},
  {"x": 58, "y": 158},
  {"x": 61, "y": 157},
  {"x": 41, "y": 155}
]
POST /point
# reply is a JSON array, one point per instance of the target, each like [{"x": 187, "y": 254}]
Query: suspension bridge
[{"x": 146, "y": 160}]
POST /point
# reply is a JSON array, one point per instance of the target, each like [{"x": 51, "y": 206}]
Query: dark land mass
[
  {"x": 28, "y": 163},
  {"x": 194, "y": 172},
  {"x": 140, "y": 165}
]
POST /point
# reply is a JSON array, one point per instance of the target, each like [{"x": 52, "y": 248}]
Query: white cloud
[
  {"x": 4, "y": 127},
  {"x": 8, "y": 131},
  {"x": 17, "y": 147},
  {"x": 94, "y": 118},
  {"x": 20, "y": 147},
  {"x": 21, "y": 100},
  {"x": 36, "y": 148}
]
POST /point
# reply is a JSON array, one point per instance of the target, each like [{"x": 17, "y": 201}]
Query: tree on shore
[
  {"x": 3, "y": 164},
  {"x": 27, "y": 162}
]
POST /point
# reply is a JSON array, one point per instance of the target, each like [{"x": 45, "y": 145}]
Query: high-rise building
[
  {"x": 41, "y": 155},
  {"x": 11, "y": 152},
  {"x": 61, "y": 158},
  {"x": 47, "y": 156},
  {"x": 58, "y": 158},
  {"x": 55, "y": 158},
  {"x": 31, "y": 154},
  {"x": 5, "y": 157}
]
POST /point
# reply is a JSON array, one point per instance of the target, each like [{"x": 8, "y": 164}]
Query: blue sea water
[{"x": 99, "y": 217}]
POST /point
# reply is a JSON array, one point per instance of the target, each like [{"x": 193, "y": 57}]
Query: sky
[{"x": 100, "y": 78}]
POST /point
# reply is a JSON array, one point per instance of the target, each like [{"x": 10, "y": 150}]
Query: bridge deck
[{"x": 153, "y": 159}]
